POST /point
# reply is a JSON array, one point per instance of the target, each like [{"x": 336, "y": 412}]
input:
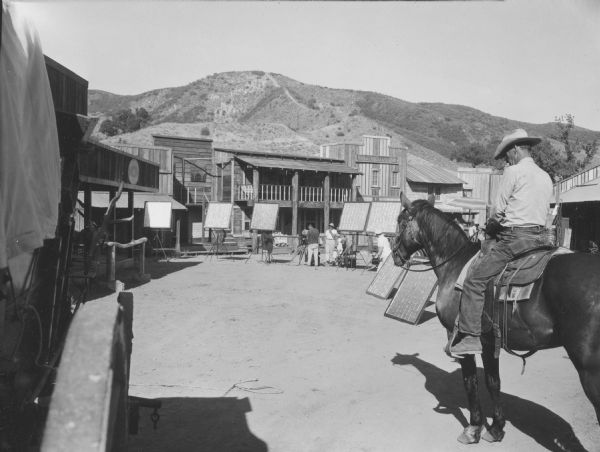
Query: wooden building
[
  {"x": 88, "y": 166},
  {"x": 579, "y": 199},
  {"x": 385, "y": 172},
  {"x": 307, "y": 189}
]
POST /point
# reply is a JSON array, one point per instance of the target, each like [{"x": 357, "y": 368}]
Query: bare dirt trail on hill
[{"x": 257, "y": 357}]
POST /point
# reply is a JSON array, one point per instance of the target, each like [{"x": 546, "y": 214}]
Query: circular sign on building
[{"x": 133, "y": 171}]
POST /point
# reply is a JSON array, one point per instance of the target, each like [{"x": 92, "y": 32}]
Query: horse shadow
[
  {"x": 545, "y": 427},
  {"x": 202, "y": 424}
]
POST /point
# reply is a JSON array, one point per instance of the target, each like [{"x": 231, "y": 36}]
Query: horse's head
[{"x": 407, "y": 236}]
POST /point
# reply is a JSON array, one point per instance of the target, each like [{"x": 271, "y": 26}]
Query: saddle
[{"x": 514, "y": 284}]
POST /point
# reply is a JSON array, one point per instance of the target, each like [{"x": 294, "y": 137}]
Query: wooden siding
[
  {"x": 185, "y": 147},
  {"x": 100, "y": 165},
  {"x": 161, "y": 155},
  {"x": 69, "y": 90}
]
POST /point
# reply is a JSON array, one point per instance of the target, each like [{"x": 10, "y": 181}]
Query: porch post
[
  {"x": 87, "y": 207},
  {"x": 353, "y": 190},
  {"x": 132, "y": 223},
  {"x": 255, "y": 186},
  {"x": 327, "y": 199},
  {"x": 295, "y": 179}
]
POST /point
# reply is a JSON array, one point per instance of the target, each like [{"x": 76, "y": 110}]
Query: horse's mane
[{"x": 435, "y": 222}]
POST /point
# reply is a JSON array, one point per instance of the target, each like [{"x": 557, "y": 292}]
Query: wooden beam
[
  {"x": 295, "y": 179},
  {"x": 326, "y": 200}
]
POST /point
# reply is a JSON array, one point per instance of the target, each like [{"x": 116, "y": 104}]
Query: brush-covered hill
[{"x": 256, "y": 110}]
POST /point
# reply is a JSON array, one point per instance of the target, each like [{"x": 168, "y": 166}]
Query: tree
[
  {"x": 109, "y": 128},
  {"x": 474, "y": 153},
  {"x": 551, "y": 160},
  {"x": 578, "y": 153}
]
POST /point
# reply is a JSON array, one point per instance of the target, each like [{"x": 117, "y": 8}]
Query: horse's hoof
[
  {"x": 493, "y": 436},
  {"x": 470, "y": 434}
]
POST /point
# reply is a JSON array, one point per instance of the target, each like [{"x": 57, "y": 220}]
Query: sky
[{"x": 527, "y": 60}]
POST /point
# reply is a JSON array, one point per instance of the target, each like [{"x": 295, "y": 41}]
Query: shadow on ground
[
  {"x": 542, "y": 425},
  {"x": 197, "y": 424}
]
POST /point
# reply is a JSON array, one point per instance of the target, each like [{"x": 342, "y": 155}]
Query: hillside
[{"x": 265, "y": 111}]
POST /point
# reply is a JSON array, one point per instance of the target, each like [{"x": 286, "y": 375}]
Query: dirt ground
[{"x": 256, "y": 357}]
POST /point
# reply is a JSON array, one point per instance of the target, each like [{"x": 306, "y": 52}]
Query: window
[
  {"x": 376, "y": 146},
  {"x": 434, "y": 190},
  {"x": 198, "y": 176},
  {"x": 395, "y": 179},
  {"x": 375, "y": 177},
  {"x": 468, "y": 193}
]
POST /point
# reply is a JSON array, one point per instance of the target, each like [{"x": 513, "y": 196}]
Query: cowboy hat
[
  {"x": 517, "y": 136},
  {"x": 331, "y": 224}
]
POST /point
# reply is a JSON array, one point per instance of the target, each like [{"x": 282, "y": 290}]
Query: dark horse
[{"x": 564, "y": 309}]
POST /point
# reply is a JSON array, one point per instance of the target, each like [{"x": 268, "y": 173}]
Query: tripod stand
[
  {"x": 156, "y": 239},
  {"x": 300, "y": 251}
]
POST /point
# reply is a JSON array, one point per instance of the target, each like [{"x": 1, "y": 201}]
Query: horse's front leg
[
  {"x": 472, "y": 432},
  {"x": 492, "y": 380}
]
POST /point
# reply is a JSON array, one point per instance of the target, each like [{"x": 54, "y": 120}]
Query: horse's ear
[
  {"x": 405, "y": 201},
  {"x": 431, "y": 199}
]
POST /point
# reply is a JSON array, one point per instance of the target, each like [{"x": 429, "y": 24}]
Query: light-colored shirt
[
  {"x": 524, "y": 195},
  {"x": 331, "y": 234},
  {"x": 383, "y": 245}
]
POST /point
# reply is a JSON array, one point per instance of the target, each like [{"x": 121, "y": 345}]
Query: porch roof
[
  {"x": 429, "y": 174},
  {"x": 298, "y": 164},
  {"x": 589, "y": 191}
]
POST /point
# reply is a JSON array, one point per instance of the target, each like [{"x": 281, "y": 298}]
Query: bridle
[{"x": 406, "y": 263}]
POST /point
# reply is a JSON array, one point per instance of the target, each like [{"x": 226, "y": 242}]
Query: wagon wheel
[{"x": 88, "y": 410}]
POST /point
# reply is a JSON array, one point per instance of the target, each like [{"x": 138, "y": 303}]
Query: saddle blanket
[{"x": 517, "y": 280}]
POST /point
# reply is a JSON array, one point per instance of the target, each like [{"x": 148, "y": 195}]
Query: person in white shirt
[
  {"x": 331, "y": 235},
  {"x": 383, "y": 248},
  {"x": 518, "y": 220}
]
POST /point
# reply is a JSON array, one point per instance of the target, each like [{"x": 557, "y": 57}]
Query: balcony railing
[
  {"x": 311, "y": 194},
  {"x": 245, "y": 193},
  {"x": 197, "y": 195},
  {"x": 268, "y": 192},
  {"x": 579, "y": 179},
  {"x": 339, "y": 194}
]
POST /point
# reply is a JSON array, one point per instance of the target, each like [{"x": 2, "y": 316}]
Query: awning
[
  {"x": 298, "y": 164},
  {"x": 445, "y": 207},
  {"x": 582, "y": 193},
  {"x": 101, "y": 200},
  {"x": 468, "y": 203},
  {"x": 429, "y": 174}
]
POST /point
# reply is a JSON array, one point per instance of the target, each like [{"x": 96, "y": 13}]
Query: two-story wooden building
[
  {"x": 384, "y": 172},
  {"x": 307, "y": 189}
]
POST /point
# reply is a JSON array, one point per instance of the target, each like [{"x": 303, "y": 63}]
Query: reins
[{"x": 452, "y": 256}]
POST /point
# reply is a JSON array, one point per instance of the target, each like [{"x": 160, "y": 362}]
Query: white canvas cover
[{"x": 29, "y": 153}]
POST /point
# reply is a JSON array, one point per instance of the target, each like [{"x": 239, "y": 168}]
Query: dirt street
[{"x": 257, "y": 357}]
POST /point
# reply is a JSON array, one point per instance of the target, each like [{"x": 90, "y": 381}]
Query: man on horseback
[{"x": 517, "y": 220}]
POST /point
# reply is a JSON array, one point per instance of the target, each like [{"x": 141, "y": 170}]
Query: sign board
[
  {"x": 264, "y": 216},
  {"x": 354, "y": 216},
  {"x": 415, "y": 291},
  {"x": 384, "y": 216},
  {"x": 218, "y": 215},
  {"x": 386, "y": 279},
  {"x": 157, "y": 214},
  {"x": 197, "y": 229}
]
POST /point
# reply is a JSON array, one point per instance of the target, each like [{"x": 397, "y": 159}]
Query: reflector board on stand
[
  {"x": 415, "y": 291},
  {"x": 383, "y": 216},
  {"x": 354, "y": 217},
  {"x": 386, "y": 279},
  {"x": 218, "y": 215},
  {"x": 264, "y": 216}
]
